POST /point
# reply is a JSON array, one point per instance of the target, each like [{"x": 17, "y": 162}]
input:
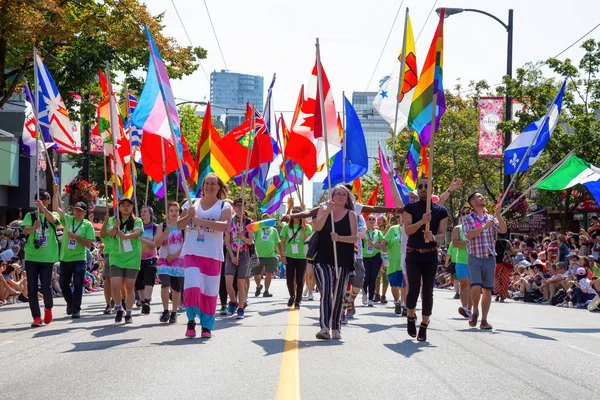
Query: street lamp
[{"x": 509, "y": 50}]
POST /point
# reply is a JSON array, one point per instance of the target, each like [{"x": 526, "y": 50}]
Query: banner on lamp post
[{"x": 491, "y": 111}]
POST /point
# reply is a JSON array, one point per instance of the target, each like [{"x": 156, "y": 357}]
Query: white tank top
[{"x": 205, "y": 242}]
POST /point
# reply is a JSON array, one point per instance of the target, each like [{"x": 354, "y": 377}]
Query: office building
[
  {"x": 375, "y": 128},
  {"x": 229, "y": 93}
]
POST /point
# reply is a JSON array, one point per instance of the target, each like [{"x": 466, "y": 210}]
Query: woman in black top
[{"x": 332, "y": 280}]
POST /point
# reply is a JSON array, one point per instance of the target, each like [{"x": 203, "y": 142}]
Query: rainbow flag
[
  {"x": 430, "y": 83},
  {"x": 258, "y": 225}
]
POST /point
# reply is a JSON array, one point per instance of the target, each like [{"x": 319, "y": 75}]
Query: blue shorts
[
  {"x": 462, "y": 271},
  {"x": 396, "y": 279},
  {"x": 482, "y": 271}
]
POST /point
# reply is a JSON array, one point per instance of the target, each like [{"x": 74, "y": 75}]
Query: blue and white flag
[{"x": 513, "y": 155}]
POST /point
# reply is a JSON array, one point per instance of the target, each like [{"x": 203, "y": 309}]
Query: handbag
[
  {"x": 253, "y": 261},
  {"x": 313, "y": 246}
]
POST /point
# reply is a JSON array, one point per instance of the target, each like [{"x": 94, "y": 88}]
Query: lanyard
[{"x": 73, "y": 229}]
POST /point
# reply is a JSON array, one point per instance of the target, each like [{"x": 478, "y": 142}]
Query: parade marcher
[
  {"x": 146, "y": 277},
  {"x": 331, "y": 279},
  {"x": 382, "y": 283},
  {"x": 356, "y": 281},
  {"x": 125, "y": 256},
  {"x": 170, "y": 263},
  {"x": 461, "y": 259},
  {"x": 504, "y": 268},
  {"x": 222, "y": 283},
  {"x": 395, "y": 276},
  {"x": 422, "y": 255},
  {"x": 108, "y": 248},
  {"x": 79, "y": 233},
  {"x": 480, "y": 229},
  {"x": 239, "y": 241},
  {"x": 293, "y": 236},
  {"x": 371, "y": 258},
  {"x": 267, "y": 244},
  {"x": 203, "y": 253},
  {"x": 41, "y": 252}
]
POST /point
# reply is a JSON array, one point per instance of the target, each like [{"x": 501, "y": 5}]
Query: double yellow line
[{"x": 289, "y": 378}]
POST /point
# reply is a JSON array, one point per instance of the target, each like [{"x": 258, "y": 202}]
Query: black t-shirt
[{"x": 417, "y": 209}]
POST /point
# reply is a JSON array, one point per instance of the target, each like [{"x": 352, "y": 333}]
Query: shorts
[
  {"x": 147, "y": 274},
  {"x": 359, "y": 269},
  {"x": 482, "y": 271},
  {"x": 118, "y": 272},
  {"x": 396, "y": 279},
  {"x": 270, "y": 265},
  {"x": 462, "y": 271},
  {"x": 174, "y": 282},
  {"x": 241, "y": 270},
  {"x": 106, "y": 269}
]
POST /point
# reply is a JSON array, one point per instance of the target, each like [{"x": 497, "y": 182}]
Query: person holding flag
[{"x": 79, "y": 237}]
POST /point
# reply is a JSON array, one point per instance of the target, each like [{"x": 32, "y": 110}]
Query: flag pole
[
  {"x": 164, "y": 167},
  {"x": 344, "y": 137},
  {"x": 430, "y": 170},
  {"x": 37, "y": 128},
  {"x": 400, "y": 82},
  {"x": 114, "y": 147},
  {"x": 324, "y": 128},
  {"x": 537, "y": 133},
  {"x": 245, "y": 173},
  {"x": 133, "y": 177},
  {"x": 105, "y": 179},
  {"x": 550, "y": 171},
  {"x": 147, "y": 188}
]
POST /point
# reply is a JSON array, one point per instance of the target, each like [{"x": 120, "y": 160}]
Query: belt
[{"x": 431, "y": 250}]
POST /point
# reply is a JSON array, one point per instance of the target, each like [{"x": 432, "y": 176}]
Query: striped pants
[
  {"x": 201, "y": 288},
  {"x": 332, "y": 284}
]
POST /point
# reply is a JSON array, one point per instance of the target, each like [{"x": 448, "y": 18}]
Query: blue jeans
[
  {"x": 75, "y": 271},
  {"x": 580, "y": 297}
]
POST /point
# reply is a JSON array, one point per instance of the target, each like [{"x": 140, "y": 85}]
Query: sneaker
[
  {"x": 352, "y": 309},
  {"x": 350, "y": 313},
  {"x": 231, "y": 308},
  {"x": 223, "y": 310},
  {"x": 37, "y": 322},
  {"x": 580, "y": 306},
  {"x": 305, "y": 292},
  {"x": 335, "y": 334},
  {"x": 47, "y": 315},
  {"x": 258, "y": 290},
  {"x": 138, "y": 303},
  {"x": 267, "y": 294},
  {"x": 376, "y": 298},
  {"x": 107, "y": 310},
  {"x": 404, "y": 311},
  {"x": 297, "y": 306},
  {"x": 365, "y": 298},
  {"x": 370, "y": 303},
  {"x": 398, "y": 308},
  {"x": 456, "y": 296},
  {"x": 463, "y": 311},
  {"x": 484, "y": 325},
  {"x": 119, "y": 316},
  {"x": 173, "y": 318},
  {"x": 240, "y": 313},
  {"x": 75, "y": 314},
  {"x": 383, "y": 300},
  {"x": 146, "y": 307},
  {"x": 164, "y": 317},
  {"x": 344, "y": 320},
  {"x": 473, "y": 320},
  {"x": 206, "y": 333},
  {"x": 323, "y": 334},
  {"x": 128, "y": 319},
  {"x": 517, "y": 295},
  {"x": 497, "y": 298},
  {"x": 191, "y": 329},
  {"x": 290, "y": 301},
  {"x": 69, "y": 309},
  {"x": 310, "y": 297}
]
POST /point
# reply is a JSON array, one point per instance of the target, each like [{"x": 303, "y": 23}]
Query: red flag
[
  {"x": 152, "y": 157},
  {"x": 373, "y": 199}
]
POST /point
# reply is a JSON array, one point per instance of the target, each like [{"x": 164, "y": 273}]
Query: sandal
[
  {"x": 473, "y": 320},
  {"x": 411, "y": 326},
  {"x": 422, "y": 336}
]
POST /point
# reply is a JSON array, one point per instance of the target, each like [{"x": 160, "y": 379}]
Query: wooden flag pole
[
  {"x": 324, "y": 127},
  {"x": 400, "y": 82},
  {"x": 147, "y": 188},
  {"x": 245, "y": 174},
  {"x": 133, "y": 177},
  {"x": 430, "y": 170}
]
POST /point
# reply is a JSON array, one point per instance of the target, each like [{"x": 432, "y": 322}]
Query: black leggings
[
  {"x": 421, "y": 266},
  {"x": 43, "y": 271},
  {"x": 294, "y": 276},
  {"x": 223, "y": 286},
  {"x": 372, "y": 267}
]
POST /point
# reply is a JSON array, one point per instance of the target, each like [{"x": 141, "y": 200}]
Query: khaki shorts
[
  {"x": 118, "y": 272},
  {"x": 269, "y": 264}
]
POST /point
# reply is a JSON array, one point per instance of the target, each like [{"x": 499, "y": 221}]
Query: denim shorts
[{"x": 482, "y": 271}]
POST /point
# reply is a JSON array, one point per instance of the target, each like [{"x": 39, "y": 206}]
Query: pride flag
[
  {"x": 417, "y": 161},
  {"x": 430, "y": 83}
]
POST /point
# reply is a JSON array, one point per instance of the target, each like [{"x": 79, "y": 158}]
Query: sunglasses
[
  {"x": 370, "y": 219},
  {"x": 422, "y": 186}
]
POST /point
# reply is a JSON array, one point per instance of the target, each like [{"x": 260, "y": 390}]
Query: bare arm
[
  {"x": 322, "y": 216},
  {"x": 411, "y": 228},
  {"x": 161, "y": 235},
  {"x": 456, "y": 242},
  {"x": 55, "y": 202},
  {"x": 184, "y": 219},
  {"x": 446, "y": 195},
  {"x": 303, "y": 215}
]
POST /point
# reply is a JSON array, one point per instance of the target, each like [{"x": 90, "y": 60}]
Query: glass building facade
[{"x": 229, "y": 92}]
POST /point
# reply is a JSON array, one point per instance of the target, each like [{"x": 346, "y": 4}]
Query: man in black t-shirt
[{"x": 421, "y": 255}]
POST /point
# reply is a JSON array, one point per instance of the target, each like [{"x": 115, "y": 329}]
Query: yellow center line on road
[{"x": 289, "y": 378}]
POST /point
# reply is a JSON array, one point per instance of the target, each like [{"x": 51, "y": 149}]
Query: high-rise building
[
  {"x": 229, "y": 92},
  {"x": 375, "y": 128}
]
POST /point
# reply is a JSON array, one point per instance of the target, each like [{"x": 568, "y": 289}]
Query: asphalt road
[{"x": 533, "y": 352}]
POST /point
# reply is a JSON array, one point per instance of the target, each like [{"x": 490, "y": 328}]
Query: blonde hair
[{"x": 223, "y": 187}]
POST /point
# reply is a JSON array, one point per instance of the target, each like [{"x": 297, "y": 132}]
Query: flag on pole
[
  {"x": 53, "y": 116},
  {"x": 430, "y": 83},
  {"x": 417, "y": 161},
  {"x": 373, "y": 199},
  {"x": 357, "y": 190},
  {"x": 388, "y": 96},
  {"x": 29, "y": 133},
  {"x": 306, "y": 143},
  {"x": 513, "y": 155},
  {"x": 572, "y": 172}
]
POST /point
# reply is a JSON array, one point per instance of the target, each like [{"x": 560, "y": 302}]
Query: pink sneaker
[
  {"x": 191, "y": 329},
  {"x": 206, "y": 334}
]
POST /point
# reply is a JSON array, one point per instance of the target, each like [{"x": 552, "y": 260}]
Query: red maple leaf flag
[{"x": 306, "y": 144}]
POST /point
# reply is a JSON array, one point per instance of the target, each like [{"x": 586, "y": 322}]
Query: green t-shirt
[
  {"x": 461, "y": 254},
  {"x": 294, "y": 241},
  {"x": 75, "y": 251},
  {"x": 394, "y": 248},
  {"x": 266, "y": 240},
  {"x": 596, "y": 270},
  {"x": 126, "y": 254},
  {"x": 47, "y": 252},
  {"x": 451, "y": 253},
  {"x": 375, "y": 236}
]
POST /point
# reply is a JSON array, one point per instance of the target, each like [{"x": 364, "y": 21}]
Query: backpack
[{"x": 558, "y": 297}]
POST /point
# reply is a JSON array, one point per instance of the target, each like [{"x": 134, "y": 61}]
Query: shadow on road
[
  {"x": 528, "y": 334},
  {"x": 409, "y": 347},
  {"x": 182, "y": 342},
  {"x": 374, "y": 328},
  {"x": 572, "y": 330},
  {"x": 100, "y": 345}
]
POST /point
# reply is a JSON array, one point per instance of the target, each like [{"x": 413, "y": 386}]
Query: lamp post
[{"x": 509, "y": 53}]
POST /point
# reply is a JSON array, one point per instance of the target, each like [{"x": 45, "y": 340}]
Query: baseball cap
[
  {"x": 81, "y": 205},
  {"x": 125, "y": 199},
  {"x": 573, "y": 254},
  {"x": 581, "y": 271}
]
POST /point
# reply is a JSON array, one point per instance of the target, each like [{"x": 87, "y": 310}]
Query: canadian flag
[{"x": 306, "y": 143}]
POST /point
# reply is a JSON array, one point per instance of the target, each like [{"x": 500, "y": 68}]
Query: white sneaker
[
  {"x": 310, "y": 296},
  {"x": 304, "y": 293},
  {"x": 365, "y": 298},
  {"x": 370, "y": 303}
]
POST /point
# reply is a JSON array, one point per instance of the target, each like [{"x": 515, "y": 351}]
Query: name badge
[
  {"x": 72, "y": 244},
  {"x": 43, "y": 241},
  {"x": 200, "y": 238},
  {"x": 127, "y": 247},
  {"x": 370, "y": 249},
  {"x": 265, "y": 238},
  {"x": 294, "y": 248}
]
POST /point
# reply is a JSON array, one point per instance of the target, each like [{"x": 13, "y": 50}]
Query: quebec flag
[{"x": 513, "y": 155}]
